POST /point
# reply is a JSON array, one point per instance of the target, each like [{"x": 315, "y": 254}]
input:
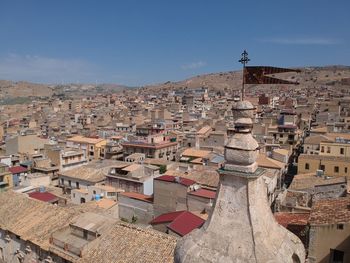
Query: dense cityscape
[{"x": 121, "y": 143}]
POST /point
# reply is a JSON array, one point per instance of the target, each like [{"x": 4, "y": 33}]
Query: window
[
  {"x": 346, "y": 170},
  {"x": 328, "y": 149},
  {"x": 342, "y": 151},
  {"x": 307, "y": 166},
  {"x": 337, "y": 256},
  {"x": 322, "y": 167},
  {"x": 77, "y": 185},
  {"x": 322, "y": 149},
  {"x": 340, "y": 226},
  {"x": 336, "y": 169},
  {"x": 69, "y": 183}
]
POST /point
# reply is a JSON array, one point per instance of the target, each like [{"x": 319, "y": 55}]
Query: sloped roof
[
  {"x": 317, "y": 139},
  {"x": 132, "y": 167},
  {"x": 18, "y": 169},
  {"x": 264, "y": 161},
  {"x": 285, "y": 218},
  {"x": 310, "y": 180},
  {"x": 32, "y": 219},
  {"x": 172, "y": 179},
  {"x": 138, "y": 196},
  {"x": 95, "y": 171},
  {"x": 191, "y": 152},
  {"x": 128, "y": 243},
  {"x": 330, "y": 211},
  {"x": 82, "y": 139},
  {"x": 204, "y": 175},
  {"x": 282, "y": 151},
  {"x": 181, "y": 222},
  {"x": 185, "y": 223},
  {"x": 166, "y": 218},
  {"x": 204, "y": 130},
  {"x": 45, "y": 196},
  {"x": 204, "y": 193}
]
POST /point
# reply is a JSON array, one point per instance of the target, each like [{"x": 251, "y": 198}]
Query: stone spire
[{"x": 241, "y": 227}]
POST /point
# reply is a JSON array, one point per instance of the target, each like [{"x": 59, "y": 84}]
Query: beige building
[
  {"x": 94, "y": 148},
  {"x": 170, "y": 194},
  {"x": 331, "y": 165},
  {"x": 339, "y": 148},
  {"x": 65, "y": 159},
  {"x": 163, "y": 149},
  {"x": 25, "y": 143}
]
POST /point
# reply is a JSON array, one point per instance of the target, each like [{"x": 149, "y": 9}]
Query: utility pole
[{"x": 244, "y": 60}]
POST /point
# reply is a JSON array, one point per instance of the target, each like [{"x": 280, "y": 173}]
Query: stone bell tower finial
[{"x": 241, "y": 227}]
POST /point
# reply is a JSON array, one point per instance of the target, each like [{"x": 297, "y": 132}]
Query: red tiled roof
[
  {"x": 45, "y": 196},
  {"x": 138, "y": 196},
  {"x": 169, "y": 178},
  {"x": 18, "y": 169},
  {"x": 166, "y": 218},
  {"x": 185, "y": 223},
  {"x": 181, "y": 222},
  {"x": 286, "y": 219},
  {"x": 204, "y": 193}
]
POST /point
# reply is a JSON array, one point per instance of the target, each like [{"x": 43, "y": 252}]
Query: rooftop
[
  {"x": 204, "y": 175},
  {"x": 330, "y": 211},
  {"x": 18, "y": 169},
  {"x": 95, "y": 171},
  {"x": 266, "y": 162},
  {"x": 204, "y": 193},
  {"x": 138, "y": 196},
  {"x": 129, "y": 243},
  {"x": 310, "y": 180},
  {"x": 32, "y": 219},
  {"x": 191, "y": 152},
  {"x": 175, "y": 179},
  {"x": 43, "y": 196},
  {"x": 82, "y": 139},
  {"x": 285, "y": 218},
  {"x": 181, "y": 222}
]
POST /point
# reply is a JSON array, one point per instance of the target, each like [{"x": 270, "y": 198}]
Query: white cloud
[
  {"x": 300, "y": 41},
  {"x": 45, "y": 69},
  {"x": 194, "y": 65}
]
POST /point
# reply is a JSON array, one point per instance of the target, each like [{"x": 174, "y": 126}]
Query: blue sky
[{"x": 143, "y": 42}]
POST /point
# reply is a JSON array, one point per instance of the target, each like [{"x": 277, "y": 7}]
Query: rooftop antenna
[{"x": 244, "y": 60}]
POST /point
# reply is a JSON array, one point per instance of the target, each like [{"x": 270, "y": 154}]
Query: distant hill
[
  {"x": 309, "y": 76},
  {"x": 231, "y": 80},
  {"x": 10, "y": 89}
]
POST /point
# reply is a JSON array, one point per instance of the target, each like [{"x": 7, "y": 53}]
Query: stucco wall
[
  {"x": 129, "y": 207},
  {"x": 327, "y": 237}
]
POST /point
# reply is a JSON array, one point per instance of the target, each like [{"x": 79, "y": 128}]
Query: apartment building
[{"x": 93, "y": 147}]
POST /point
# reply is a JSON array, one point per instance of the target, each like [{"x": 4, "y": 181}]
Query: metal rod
[{"x": 244, "y": 60}]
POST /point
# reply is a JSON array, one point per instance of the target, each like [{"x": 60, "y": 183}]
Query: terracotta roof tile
[
  {"x": 204, "y": 193},
  {"x": 330, "y": 211},
  {"x": 285, "y": 219}
]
